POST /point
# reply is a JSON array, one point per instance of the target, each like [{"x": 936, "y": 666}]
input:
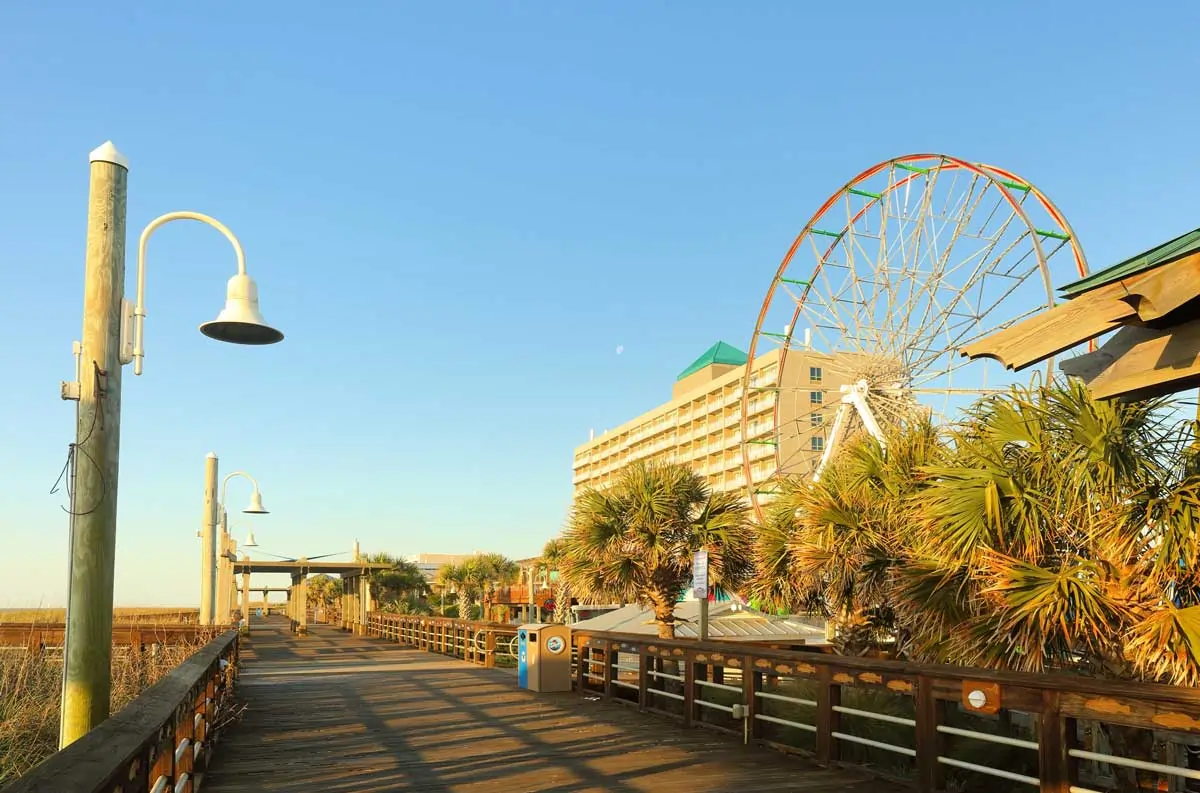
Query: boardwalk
[{"x": 333, "y": 712}]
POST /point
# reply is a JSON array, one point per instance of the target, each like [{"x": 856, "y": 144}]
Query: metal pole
[
  {"x": 246, "y": 600},
  {"x": 221, "y": 611},
  {"x": 88, "y": 652},
  {"x": 231, "y": 590},
  {"x": 704, "y": 618},
  {"x": 208, "y": 543}
]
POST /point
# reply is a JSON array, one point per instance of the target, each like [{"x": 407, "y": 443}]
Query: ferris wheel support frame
[{"x": 853, "y": 396}]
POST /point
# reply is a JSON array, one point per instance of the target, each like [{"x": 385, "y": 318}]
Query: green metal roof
[
  {"x": 721, "y": 353},
  {"x": 1167, "y": 252}
]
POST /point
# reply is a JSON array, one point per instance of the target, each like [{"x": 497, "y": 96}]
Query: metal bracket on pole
[
  {"x": 70, "y": 390},
  {"x": 125, "y": 351}
]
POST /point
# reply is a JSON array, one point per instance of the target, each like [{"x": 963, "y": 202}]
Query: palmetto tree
[
  {"x": 399, "y": 588},
  {"x": 1046, "y": 531},
  {"x": 322, "y": 591},
  {"x": 491, "y": 570},
  {"x": 551, "y": 561},
  {"x": 456, "y": 578},
  {"x": 834, "y": 545},
  {"x": 634, "y": 542},
  {"x": 1061, "y": 532}
]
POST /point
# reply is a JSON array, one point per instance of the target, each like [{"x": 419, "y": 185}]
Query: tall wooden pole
[
  {"x": 86, "y": 681},
  {"x": 208, "y": 540}
]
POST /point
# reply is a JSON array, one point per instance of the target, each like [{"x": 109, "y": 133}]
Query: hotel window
[
  {"x": 817, "y": 443},
  {"x": 816, "y": 419},
  {"x": 815, "y": 397},
  {"x": 814, "y": 374}
]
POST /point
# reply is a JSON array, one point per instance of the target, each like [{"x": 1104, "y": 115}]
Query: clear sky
[{"x": 458, "y": 211}]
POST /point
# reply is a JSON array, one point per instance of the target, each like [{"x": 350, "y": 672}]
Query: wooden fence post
[
  {"x": 829, "y": 695},
  {"x": 751, "y": 685},
  {"x": 1056, "y": 736},
  {"x": 929, "y": 741}
]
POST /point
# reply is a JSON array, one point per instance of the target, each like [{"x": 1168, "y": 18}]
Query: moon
[{"x": 620, "y": 349}]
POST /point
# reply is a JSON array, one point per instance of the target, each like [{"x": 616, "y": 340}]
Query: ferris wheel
[{"x": 862, "y": 324}]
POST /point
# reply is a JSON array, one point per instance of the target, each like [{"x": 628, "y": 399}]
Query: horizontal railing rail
[
  {"x": 35, "y": 636},
  {"x": 159, "y": 742}
]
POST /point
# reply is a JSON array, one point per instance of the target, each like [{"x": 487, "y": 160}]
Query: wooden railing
[
  {"x": 36, "y": 635},
  {"x": 487, "y": 644},
  {"x": 935, "y": 728},
  {"x": 156, "y": 743},
  {"x": 924, "y": 724}
]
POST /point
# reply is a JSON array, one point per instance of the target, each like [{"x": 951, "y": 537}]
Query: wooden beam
[
  {"x": 1140, "y": 363},
  {"x": 1165, "y": 289},
  {"x": 1145, "y": 298},
  {"x": 1061, "y": 328}
]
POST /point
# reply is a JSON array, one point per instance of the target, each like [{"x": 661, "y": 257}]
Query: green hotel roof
[
  {"x": 719, "y": 353},
  {"x": 1147, "y": 260}
]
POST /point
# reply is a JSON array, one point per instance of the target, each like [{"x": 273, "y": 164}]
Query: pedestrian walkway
[{"x": 333, "y": 712}]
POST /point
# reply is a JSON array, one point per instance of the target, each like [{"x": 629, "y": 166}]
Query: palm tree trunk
[
  {"x": 562, "y": 604},
  {"x": 664, "y": 617},
  {"x": 464, "y": 605}
]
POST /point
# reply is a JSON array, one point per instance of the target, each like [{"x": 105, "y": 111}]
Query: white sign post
[
  {"x": 700, "y": 588},
  {"x": 700, "y": 575}
]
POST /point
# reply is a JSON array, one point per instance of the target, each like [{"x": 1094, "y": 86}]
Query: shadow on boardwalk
[{"x": 333, "y": 712}]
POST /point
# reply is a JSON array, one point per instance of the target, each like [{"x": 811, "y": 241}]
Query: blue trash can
[{"x": 522, "y": 658}]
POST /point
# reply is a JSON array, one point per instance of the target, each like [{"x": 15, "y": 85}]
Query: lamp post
[
  {"x": 216, "y": 576},
  {"x": 106, "y": 345}
]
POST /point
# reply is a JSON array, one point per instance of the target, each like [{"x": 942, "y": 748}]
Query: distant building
[
  {"x": 430, "y": 563},
  {"x": 701, "y": 425}
]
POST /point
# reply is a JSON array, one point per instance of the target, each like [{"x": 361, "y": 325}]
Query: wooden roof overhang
[
  {"x": 1152, "y": 301},
  {"x": 305, "y": 567}
]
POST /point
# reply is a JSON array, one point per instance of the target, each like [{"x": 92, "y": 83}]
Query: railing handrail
[
  {"x": 479, "y": 624},
  {"x": 93, "y": 762},
  {"x": 1061, "y": 681}
]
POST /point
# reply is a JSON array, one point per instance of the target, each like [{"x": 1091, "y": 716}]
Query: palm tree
[
  {"x": 834, "y": 545},
  {"x": 635, "y": 541},
  {"x": 1046, "y": 531},
  {"x": 493, "y": 570},
  {"x": 1060, "y": 533},
  {"x": 322, "y": 591},
  {"x": 399, "y": 589},
  {"x": 553, "y": 553},
  {"x": 456, "y": 578}
]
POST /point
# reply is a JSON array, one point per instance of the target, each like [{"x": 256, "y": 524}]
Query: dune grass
[
  {"x": 140, "y": 614},
  {"x": 30, "y": 685}
]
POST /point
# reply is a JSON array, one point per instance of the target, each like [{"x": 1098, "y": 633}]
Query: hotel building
[{"x": 701, "y": 424}]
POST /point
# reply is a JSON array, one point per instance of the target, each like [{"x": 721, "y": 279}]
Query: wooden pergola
[
  {"x": 356, "y": 590},
  {"x": 1151, "y": 300}
]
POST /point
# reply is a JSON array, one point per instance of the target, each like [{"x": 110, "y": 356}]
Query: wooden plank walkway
[{"x": 333, "y": 712}]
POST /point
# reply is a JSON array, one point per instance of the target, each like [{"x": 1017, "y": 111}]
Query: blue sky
[{"x": 457, "y": 212}]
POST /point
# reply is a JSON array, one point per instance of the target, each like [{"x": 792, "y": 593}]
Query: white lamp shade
[
  {"x": 256, "y": 506},
  {"x": 240, "y": 322},
  {"x": 250, "y": 543}
]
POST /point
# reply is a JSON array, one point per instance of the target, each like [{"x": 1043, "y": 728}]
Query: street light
[
  {"x": 240, "y": 322},
  {"x": 112, "y": 337},
  {"x": 218, "y": 573}
]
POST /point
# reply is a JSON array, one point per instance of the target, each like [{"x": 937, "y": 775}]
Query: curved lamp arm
[
  {"x": 139, "y": 311},
  {"x": 225, "y": 484}
]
